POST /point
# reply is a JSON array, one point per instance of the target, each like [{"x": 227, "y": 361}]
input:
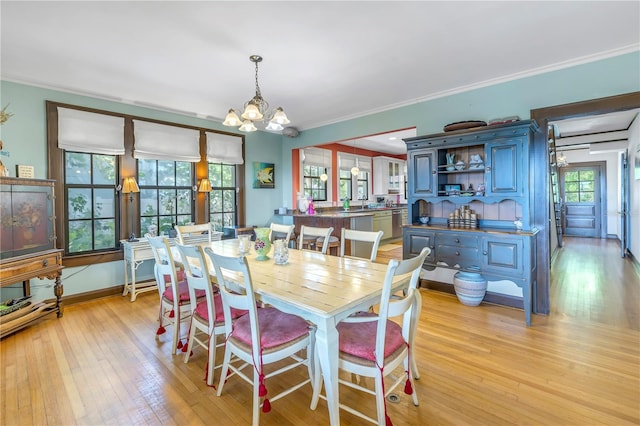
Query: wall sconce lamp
[
  {"x": 205, "y": 186},
  {"x": 130, "y": 186}
]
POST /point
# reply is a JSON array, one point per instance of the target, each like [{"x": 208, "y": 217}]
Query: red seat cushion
[
  {"x": 276, "y": 328},
  {"x": 201, "y": 309},
  {"x": 359, "y": 338},
  {"x": 181, "y": 276},
  {"x": 183, "y": 292}
]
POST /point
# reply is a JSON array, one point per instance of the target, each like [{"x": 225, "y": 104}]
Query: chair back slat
[
  {"x": 188, "y": 234},
  {"x": 310, "y": 231},
  {"x": 363, "y": 236},
  {"x": 236, "y": 289},
  {"x": 198, "y": 278},
  {"x": 281, "y": 232},
  {"x": 165, "y": 265}
]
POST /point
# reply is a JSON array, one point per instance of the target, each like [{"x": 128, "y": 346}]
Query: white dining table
[{"x": 322, "y": 289}]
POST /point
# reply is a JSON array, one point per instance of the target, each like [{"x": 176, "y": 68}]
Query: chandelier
[{"x": 256, "y": 109}]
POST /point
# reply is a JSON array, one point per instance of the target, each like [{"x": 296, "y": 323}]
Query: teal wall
[{"x": 24, "y": 135}]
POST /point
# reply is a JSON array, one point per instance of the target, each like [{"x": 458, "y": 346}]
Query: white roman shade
[
  {"x": 83, "y": 131},
  {"x": 317, "y": 157},
  {"x": 153, "y": 141},
  {"x": 224, "y": 148},
  {"x": 347, "y": 161}
]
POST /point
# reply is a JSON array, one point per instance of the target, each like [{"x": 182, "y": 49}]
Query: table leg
[
  {"x": 134, "y": 266},
  {"x": 126, "y": 278},
  {"x": 327, "y": 349}
]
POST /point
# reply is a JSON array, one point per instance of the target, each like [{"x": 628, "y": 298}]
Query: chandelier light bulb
[
  {"x": 274, "y": 126},
  {"x": 248, "y": 126},
  {"x": 251, "y": 112},
  {"x": 280, "y": 117},
  {"x": 232, "y": 119}
]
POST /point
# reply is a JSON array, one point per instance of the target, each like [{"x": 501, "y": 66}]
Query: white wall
[{"x": 634, "y": 188}]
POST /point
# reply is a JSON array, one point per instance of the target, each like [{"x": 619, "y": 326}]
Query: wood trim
[
  {"x": 541, "y": 293},
  {"x": 127, "y": 167},
  {"x": 91, "y": 295}
]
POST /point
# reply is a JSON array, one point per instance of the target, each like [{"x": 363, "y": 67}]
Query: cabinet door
[
  {"x": 414, "y": 241},
  {"x": 380, "y": 176},
  {"x": 505, "y": 167},
  {"x": 422, "y": 173},
  {"x": 503, "y": 255}
]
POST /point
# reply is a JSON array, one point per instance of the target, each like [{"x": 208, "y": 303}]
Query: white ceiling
[{"x": 323, "y": 61}]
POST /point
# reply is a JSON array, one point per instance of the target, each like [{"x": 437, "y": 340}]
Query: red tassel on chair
[
  {"x": 266, "y": 406},
  {"x": 185, "y": 348},
  {"x": 161, "y": 330},
  {"x": 262, "y": 389},
  {"x": 408, "y": 389},
  {"x": 180, "y": 344},
  {"x": 172, "y": 314}
]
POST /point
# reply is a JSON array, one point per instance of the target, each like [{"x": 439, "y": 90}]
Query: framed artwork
[
  {"x": 263, "y": 175},
  {"x": 637, "y": 162}
]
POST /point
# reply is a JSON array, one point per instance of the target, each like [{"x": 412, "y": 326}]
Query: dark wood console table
[{"x": 45, "y": 264}]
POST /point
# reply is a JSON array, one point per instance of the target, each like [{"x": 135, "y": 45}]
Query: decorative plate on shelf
[{"x": 461, "y": 125}]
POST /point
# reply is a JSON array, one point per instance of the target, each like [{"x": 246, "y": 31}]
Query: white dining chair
[
  {"x": 309, "y": 235},
  {"x": 373, "y": 345},
  {"x": 173, "y": 290},
  {"x": 281, "y": 232},
  {"x": 186, "y": 233},
  {"x": 262, "y": 337},
  {"x": 361, "y": 236},
  {"x": 207, "y": 319}
]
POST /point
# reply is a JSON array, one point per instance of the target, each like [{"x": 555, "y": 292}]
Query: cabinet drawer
[
  {"x": 16, "y": 271},
  {"x": 457, "y": 240},
  {"x": 462, "y": 257}
]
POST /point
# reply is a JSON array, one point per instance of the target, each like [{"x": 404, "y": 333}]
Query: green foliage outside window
[
  {"x": 222, "y": 198},
  {"x": 90, "y": 181}
]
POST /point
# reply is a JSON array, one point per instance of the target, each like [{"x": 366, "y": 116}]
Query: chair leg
[
  {"x": 256, "y": 398},
  {"x": 211, "y": 365},
  {"x": 225, "y": 369},
  {"x": 190, "y": 342},
  {"x": 380, "y": 398}
]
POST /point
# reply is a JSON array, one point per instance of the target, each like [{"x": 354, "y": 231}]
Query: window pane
[
  {"x": 104, "y": 233},
  {"x": 77, "y": 168},
  {"x": 228, "y": 200},
  {"x": 571, "y": 187},
  {"x": 215, "y": 174},
  {"x": 147, "y": 173},
  {"x": 146, "y": 222},
  {"x": 587, "y": 197},
  {"x": 148, "y": 202},
  {"x": 165, "y": 224},
  {"x": 79, "y": 206},
  {"x": 184, "y": 202},
  {"x": 167, "y": 201},
  {"x": 586, "y": 175},
  {"x": 103, "y": 203},
  {"x": 183, "y": 219},
  {"x": 104, "y": 169},
  {"x": 183, "y": 173},
  {"x": 228, "y": 175},
  {"x": 80, "y": 236},
  {"x": 572, "y": 197},
  {"x": 216, "y": 219},
  {"x": 571, "y": 176},
  {"x": 166, "y": 173}
]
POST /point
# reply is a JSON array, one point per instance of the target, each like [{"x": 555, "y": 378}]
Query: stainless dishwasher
[{"x": 396, "y": 223}]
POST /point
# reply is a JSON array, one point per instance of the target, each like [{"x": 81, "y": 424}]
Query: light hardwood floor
[{"x": 101, "y": 363}]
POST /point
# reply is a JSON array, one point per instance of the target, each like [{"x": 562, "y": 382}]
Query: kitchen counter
[{"x": 483, "y": 230}]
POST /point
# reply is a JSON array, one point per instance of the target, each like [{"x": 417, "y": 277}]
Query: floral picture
[{"x": 263, "y": 175}]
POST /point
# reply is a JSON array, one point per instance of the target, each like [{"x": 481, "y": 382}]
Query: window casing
[
  {"x": 166, "y": 194},
  {"x": 92, "y": 202},
  {"x": 109, "y": 213},
  {"x": 345, "y": 185},
  {"x": 313, "y": 186},
  {"x": 223, "y": 199}
]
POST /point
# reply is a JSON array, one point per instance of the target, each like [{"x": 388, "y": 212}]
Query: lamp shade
[
  {"x": 130, "y": 185},
  {"x": 280, "y": 117},
  {"x": 232, "y": 119},
  {"x": 251, "y": 112},
  {"x": 205, "y": 185},
  {"x": 248, "y": 126}
]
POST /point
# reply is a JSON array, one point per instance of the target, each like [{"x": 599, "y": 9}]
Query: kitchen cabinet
[
  {"x": 388, "y": 175},
  {"x": 383, "y": 221}
]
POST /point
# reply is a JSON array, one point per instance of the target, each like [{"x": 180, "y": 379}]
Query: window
[
  {"x": 579, "y": 186},
  {"x": 345, "y": 186},
  {"x": 314, "y": 187},
  {"x": 223, "y": 197},
  {"x": 89, "y": 188},
  {"x": 166, "y": 194},
  {"x": 90, "y": 152},
  {"x": 363, "y": 185}
]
